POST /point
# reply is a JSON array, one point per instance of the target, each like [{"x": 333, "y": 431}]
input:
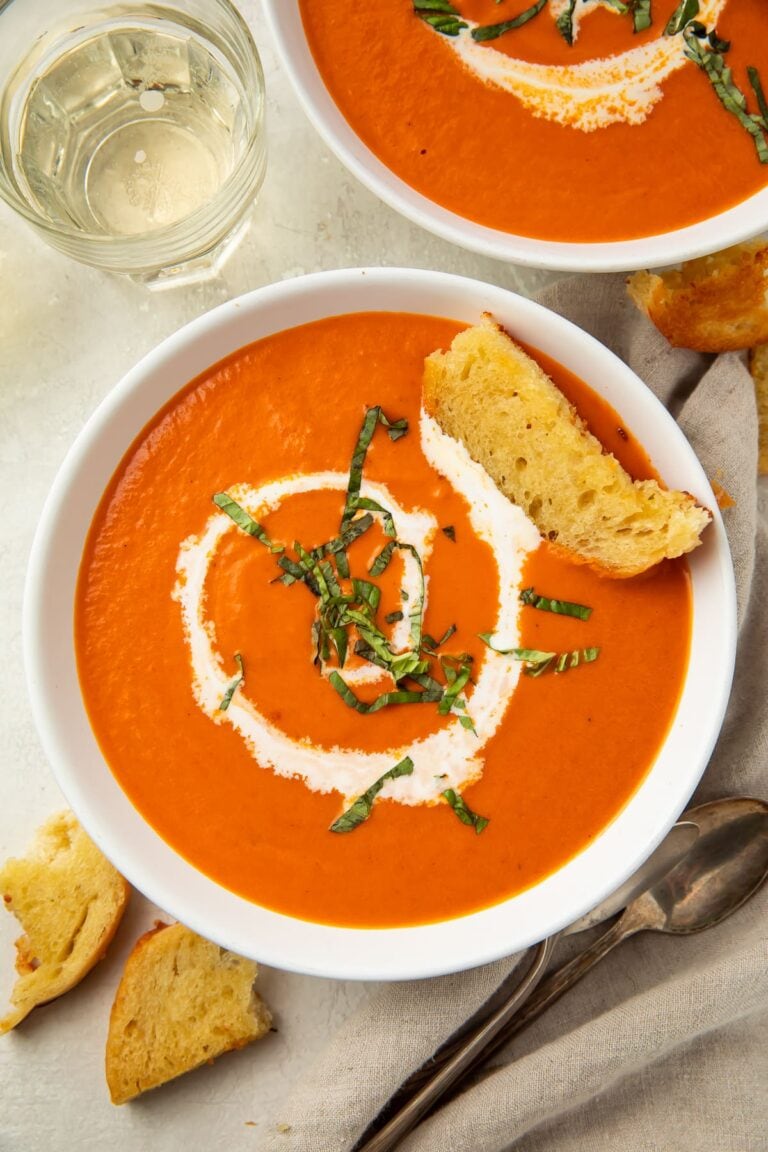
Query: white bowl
[
  {"x": 174, "y": 884},
  {"x": 739, "y": 223}
]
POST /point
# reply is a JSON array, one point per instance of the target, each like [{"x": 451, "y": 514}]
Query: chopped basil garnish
[
  {"x": 707, "y": 51},
  {"x": 224, "y": 501},
  {"x": 359, "y": 812},
  {"x": 464, "y": 812},
  {"x": 686, "y": 11},
  {"x": 234, "y": 684},
  {"x": 531, "y": 598},
  {"x": 393, "y": 617},
  {"x": 537, "y": 662},
  {"x": 450, "y": 532},
  {"x": 493, "y": 31}
]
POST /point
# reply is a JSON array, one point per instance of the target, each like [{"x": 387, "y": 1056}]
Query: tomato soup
[
  {"x": 615, "y": 137},
  {"x": 169, "y": 581}
]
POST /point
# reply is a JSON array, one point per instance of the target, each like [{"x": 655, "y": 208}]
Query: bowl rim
[
  {"x": 157, "y": 870},
  {"x": 732, "y": 226}
]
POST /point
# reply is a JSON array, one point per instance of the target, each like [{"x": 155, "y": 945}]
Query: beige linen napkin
[{"x": 665, "y": 1045}]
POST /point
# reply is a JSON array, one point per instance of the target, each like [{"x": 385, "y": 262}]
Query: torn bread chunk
[
  {"x": 489, "y": 394},
  {"x": 181, "y": 1002},
  {"x": 69, "y": 900},
  {"x": 716, "y": 303}
]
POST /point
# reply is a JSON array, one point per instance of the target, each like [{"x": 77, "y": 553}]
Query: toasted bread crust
[
  {"x": 716, "y": 303},
  {"x": 758, "y": 366},
  {"x": 181, "y": 1002},
  {"x": 489, "y": 394},
  {"x": 69, "y": 900}
]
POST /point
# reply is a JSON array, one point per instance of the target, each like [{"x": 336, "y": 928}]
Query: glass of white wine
[{"x": 132, "y": 134}]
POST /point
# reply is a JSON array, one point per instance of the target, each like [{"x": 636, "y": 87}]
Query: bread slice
[
  {"x": 69, "y": 900},
  {"x": 487, "y": 393},
  {"x": 181, "y": 1002},
  {"x": 758, "y": 366},
  {"x": 717, "y": 303}
]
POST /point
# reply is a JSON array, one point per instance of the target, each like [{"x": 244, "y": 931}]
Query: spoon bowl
[{"x": 724, "y": 867}]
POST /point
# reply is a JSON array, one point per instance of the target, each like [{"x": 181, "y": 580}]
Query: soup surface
[
  {"x": 615, "y": 137},
  {"x": 158, "y": 597}
]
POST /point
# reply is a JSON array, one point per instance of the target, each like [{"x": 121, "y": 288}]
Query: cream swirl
[{"x": 447, "y": 758}]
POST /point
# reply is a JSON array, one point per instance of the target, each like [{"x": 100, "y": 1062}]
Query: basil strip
[
  {"x": 400, "y": 696},
  {"x": 429, "y": 644},
  {"x": 443, "y": 17},
  {"x": 234, "y": 684},
  {"x": 757, "y": 88},
  {"x": 456, "y": 681},
  {"x": 368, "y": 593},
  {"x": 374, "y": 506},
  {"x": 641, "y": 15},
  {"x": 353, "y": 531},
  {"x": 538, "y": 662},
  {"x": 450, "y": 532},
  {"x": 686, "y": 11},
  {"x": 359, "y": 812},
  {"x": 224, "y": 501},
  {"x": 493, "y": 31},
  {"x": 433, "y": 689},
  {"x": 707, "y": 51},
  {"x": 435, "y": 6},
  {"x": 381, "y": 563},
  {"x": 464, "y": 812},
  {"x": 393, "y": 617},
  {"x": 396, "y": 428},
  {"x": 531, "y": 598},
  {"x": 564, "y": 22},
  {"x": 370, "y": 420}
]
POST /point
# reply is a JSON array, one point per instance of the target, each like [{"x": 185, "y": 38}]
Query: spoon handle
[
  {"x": 559, "y": 982},
  {"x": 466, "y": 1055}
]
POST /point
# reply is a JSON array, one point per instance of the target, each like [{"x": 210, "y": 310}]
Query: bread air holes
[
  {"x": 587, "y": 498},
  {"x": 467, "y": 368},
  {"x": 521, "y": 464},
  {"x": 534, "y": 508}
]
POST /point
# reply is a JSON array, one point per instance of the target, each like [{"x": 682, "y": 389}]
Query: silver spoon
[
  {"x": 726, "y": 865},
  {"x": 724, "y": 868},
  {"x": 425, "y": 1086}
]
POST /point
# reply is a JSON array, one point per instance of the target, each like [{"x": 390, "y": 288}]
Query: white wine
[{"x": 130, "y": 127}]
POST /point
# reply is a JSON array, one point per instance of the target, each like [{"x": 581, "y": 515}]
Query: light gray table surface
[{"x": 67, "y": 335}]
